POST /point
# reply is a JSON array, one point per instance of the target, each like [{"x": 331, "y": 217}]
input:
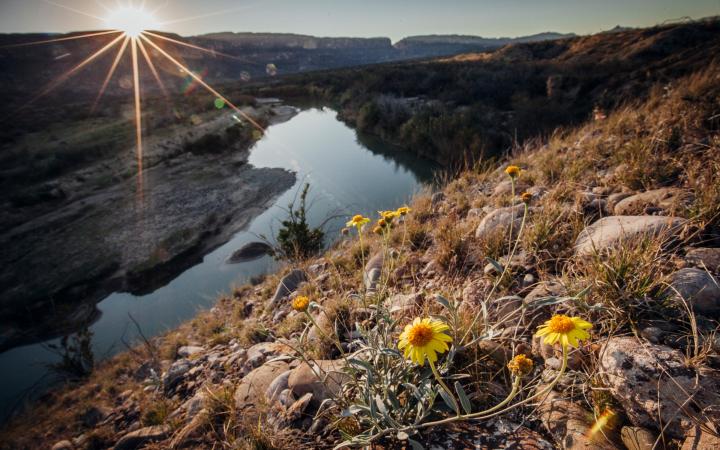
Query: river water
[{"x": 348, "y": 174}]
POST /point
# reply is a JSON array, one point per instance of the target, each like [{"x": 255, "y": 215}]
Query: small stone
[
  {"x": 137, "y": 439},
  {"x": 63, "y": 445},
  {"x": 660, "y": 199},
  {"x": 175, "y": 374},
  {"x": 637, "y": 438},
  {"x": 255, "y": 384},
  {"x": 289, "y": 284},
  {"x": 699, "y": 439},
  {"x": 323, "y": 380},
  {"x": 704, "y": 258},
  {"x": 612, "y": 231},
  {"x": 698, "y": 288},
  {"x": 189, "y": 350}
]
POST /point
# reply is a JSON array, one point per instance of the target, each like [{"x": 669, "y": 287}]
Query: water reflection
[{"x": 349, "y": 173}]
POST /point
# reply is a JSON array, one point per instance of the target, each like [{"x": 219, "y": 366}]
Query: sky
[{"x": 366, "y": 18}]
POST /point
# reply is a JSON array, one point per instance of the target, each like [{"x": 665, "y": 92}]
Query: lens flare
[{"x": 131, "y": 20}]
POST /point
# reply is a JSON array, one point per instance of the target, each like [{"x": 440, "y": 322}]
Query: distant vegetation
[{"x": 478, "y": 105}]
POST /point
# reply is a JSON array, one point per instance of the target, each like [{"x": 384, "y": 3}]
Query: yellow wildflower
[
  {"x": 520, "y": 365},
  {"x": 357, "y": 221},
  {"x": 526, "y": 197},
  {"x": 424, "y": 338},
  {"x": 403, "y": 210},
  {"x": 512, "y": 171},
  {"x": 382, "y": 223},
  {"x": 300, "y": 303},
  {"x": 569, "y": 331},
  {"x": 388, "y": 215},
  {"x": 378, "y": 229}
]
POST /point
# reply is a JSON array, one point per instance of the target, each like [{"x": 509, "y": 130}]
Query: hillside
[
  {"x": 477, "y": 105},
  {"x": 613, "y": 220}
]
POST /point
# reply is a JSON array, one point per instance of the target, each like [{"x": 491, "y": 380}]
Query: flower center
[
  {"x": 420, "y": 335},
  {"x": 561, "y": 324}
]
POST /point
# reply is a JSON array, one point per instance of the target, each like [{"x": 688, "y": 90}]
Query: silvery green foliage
[{"x": 389, "y": 394}]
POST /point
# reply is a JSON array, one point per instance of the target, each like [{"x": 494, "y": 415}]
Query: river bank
[{"x": 135, "y": 232}]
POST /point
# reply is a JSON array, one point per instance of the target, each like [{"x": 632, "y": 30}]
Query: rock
[
  {"x": 94, "y": 415},
  {"x": 254, "y": 385},
  {"x": 704, "y": 258},
  {"x": 664, "y": 199},
  {"x": 260, "y": 352},
  {"x": 63, "y": 445},
  {"x": 324, "y": 380},
  {"x": 279, "y": 384},
  {"x": 175, "y": 374},
  {"x": 188, "y": 350},
  {"x": 401, "y": 305},
  {"x": 698, "y": 288},
  {"x": 195, "y": 404},
  {"x": 653, "y": 384},
  {"x": 289, "y": 416},
  {"x": 545, "y": 289},
  {"x": 499, "y": 220},
  {"x": 248, "y": 252},
  {"x": 137, "y": 439},
  {"x": 637, "y": 438},
  {"x": 699, "y": 439},
  {"x": 613, "y": 199},
  {"x": 505, "y": 188},
  {"x": 373, "y": 270},
  {"x": 570, "y": 424},
  {"x": 323, "y": 325},
  {"x": 615, "y": 230},
  {"x": 289, "y": 284},
  {"x": 487, "y": 434}
]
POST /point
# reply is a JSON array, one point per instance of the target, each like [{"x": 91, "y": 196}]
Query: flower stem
[{"x": 444, "y": 386}]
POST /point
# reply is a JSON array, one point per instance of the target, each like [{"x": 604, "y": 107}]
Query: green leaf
[
  {"x": 464, "y": 400},
  {"x": 448, "y": 400},
  {"x": 443, "y": 301},
  {"x": 499, "y": 267}
]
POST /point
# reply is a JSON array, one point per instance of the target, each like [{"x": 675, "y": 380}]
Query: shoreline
[{"x": 112, "y": 241}]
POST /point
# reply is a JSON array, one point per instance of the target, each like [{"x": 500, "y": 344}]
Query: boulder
[
  {"x": 324, "y": 380},
  {"x": 704, "y": 258},
  {"x": 698, "y": 288},
  {"x": 655, "y": 386},
  {"x": 252, "y": 388},
  {"x": 663, "y": 199},
  {"x": 613, "y": 199},
  {"x": 249, "y": 251},
  {"x": 289, "y": 284},
  {"x": 611, "y": 231},
  {"x": 138, "y": 438},
  {"x": 499, "y": 220}
]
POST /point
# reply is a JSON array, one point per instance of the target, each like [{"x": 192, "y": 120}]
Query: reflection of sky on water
[{"x": 346, "y": 178}]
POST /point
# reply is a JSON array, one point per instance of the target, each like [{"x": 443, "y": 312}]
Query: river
[{"x": 348, "y": 174}]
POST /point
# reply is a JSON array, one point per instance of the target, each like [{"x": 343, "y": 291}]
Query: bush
[{"x": 296, "y": 240}]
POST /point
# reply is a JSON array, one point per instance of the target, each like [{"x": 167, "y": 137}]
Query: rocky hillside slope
[
  {"x": 617, "y": 224},
  {"x": 476, "y": 105}
]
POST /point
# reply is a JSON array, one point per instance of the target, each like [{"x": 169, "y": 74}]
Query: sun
[{"x": 131, "y": 20}]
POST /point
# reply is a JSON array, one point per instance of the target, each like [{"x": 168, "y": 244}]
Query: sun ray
[
  {"x": 203, "y": 83},
  {"x": 77, "y": 11},
  {"x": 67, "y": 75},
  {"x": 197, "y": 47},
  {"x": 138, "y": 115},
  {"x": 110, "y": 73},
  {"x": 150, "y": 64},
  {"x": 70, "y": 38},
  {"x": 206, "y": 15}
]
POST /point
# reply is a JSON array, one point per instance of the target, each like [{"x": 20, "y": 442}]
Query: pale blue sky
[{"x": 392, "y": 18}]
